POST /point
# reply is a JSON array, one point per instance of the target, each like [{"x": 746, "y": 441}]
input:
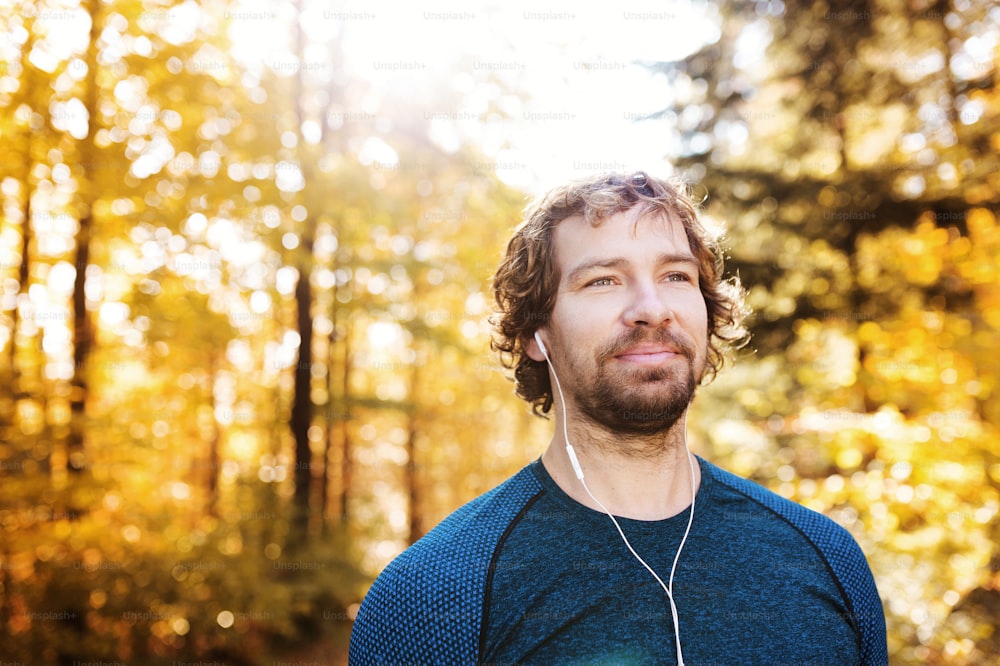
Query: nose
[{"x": 648, "y": 306}]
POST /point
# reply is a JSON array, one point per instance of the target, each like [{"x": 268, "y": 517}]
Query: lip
[{"x": 648, "y": 354}]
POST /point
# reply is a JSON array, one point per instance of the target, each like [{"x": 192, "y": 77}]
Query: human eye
[
  {"x": 678, "y": 277},
  {"x": 601, "y": 282}
]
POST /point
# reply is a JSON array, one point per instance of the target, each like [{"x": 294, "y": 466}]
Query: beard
[{"x": 643, "y": 401}]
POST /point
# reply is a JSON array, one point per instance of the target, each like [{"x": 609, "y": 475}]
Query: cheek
[
  {"x": 696, "y": 311},
  {"x": 698, "y": 320},
  {"x": 578, "y": 316}
]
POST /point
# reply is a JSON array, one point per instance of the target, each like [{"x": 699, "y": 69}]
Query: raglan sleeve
[
  {"x": 424, "y": 608},
  {"x": 866, "y": 606},
  {"x": 381, "y": 634}
]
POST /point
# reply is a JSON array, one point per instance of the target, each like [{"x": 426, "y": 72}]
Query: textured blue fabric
[
  {"x": 526, "y": 575},
  {"x": 426, "y": 607},
  {"x": 845, "y": 558},
  {"x": 755, "y": 584}
]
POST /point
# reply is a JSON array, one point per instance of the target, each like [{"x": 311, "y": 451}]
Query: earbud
[{"x": 541, "y": 345}]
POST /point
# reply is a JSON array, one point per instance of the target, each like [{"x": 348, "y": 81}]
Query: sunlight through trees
[{"x": 244, "y": 295}]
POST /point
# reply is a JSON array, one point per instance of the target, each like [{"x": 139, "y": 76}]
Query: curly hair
[{"x": 527, "y": 280}]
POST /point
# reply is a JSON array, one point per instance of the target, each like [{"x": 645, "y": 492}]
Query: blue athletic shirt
[{"x": 526, "y": 575}]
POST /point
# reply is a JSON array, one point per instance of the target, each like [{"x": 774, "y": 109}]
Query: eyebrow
[{"x": 620, "y": 262}]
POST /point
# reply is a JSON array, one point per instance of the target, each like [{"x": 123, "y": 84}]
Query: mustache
[{"x": 636, "y": 336}]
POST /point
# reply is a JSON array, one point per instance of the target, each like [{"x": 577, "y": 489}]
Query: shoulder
[
  {"x": 426, "y": 606},
  {"x": 838, "y": 549},
  {"x": 823, "y": 532}
]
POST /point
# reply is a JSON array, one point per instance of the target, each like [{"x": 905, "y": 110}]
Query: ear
[{"x": 530, "y": 346}]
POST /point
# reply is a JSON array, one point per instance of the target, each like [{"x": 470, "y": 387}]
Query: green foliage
[
  {"x": 215, "y": 593},
  {"x": 183, "y": 537},
  {"x": 854, "y": 166},
  {"x": 844, "y": 166}
]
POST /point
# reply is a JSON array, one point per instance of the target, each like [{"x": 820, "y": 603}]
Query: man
[{"x": 619, "y": 546}]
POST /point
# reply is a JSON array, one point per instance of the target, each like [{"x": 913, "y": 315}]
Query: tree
[{"x": 847, "y": 149}]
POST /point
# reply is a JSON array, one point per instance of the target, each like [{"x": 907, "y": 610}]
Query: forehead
[{"x": 627, "y": 234}]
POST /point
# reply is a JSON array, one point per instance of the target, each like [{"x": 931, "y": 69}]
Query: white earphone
[
  {"x": 575, "y": 462},
  {"x": 541, "y": 345}
]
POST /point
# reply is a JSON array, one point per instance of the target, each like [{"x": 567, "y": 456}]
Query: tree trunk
[
  {"x": 412, "y": 486},
  {"x": 75, "y": 461},
  {"x": 344, "y": 420},
  {"x": 213, "y": 463},
  {"x": 23, "y": 275},
  {"x": 302, "y": 407},
  {"x": 338, "y": 416},
  {"x": 324, "y": 481}
]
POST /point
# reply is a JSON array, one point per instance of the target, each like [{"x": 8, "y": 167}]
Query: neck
[{"x": 640, "y": 477}]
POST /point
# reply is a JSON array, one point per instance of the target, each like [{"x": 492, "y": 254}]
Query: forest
[{"x": 244, "y": 314}]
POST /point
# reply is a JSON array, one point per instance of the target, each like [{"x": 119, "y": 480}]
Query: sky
[
  {"x": 548, "y": 93},
  {"x": 545, "y": 92}
]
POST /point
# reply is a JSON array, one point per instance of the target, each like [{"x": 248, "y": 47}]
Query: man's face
[{"x": 629, "y": 331}]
